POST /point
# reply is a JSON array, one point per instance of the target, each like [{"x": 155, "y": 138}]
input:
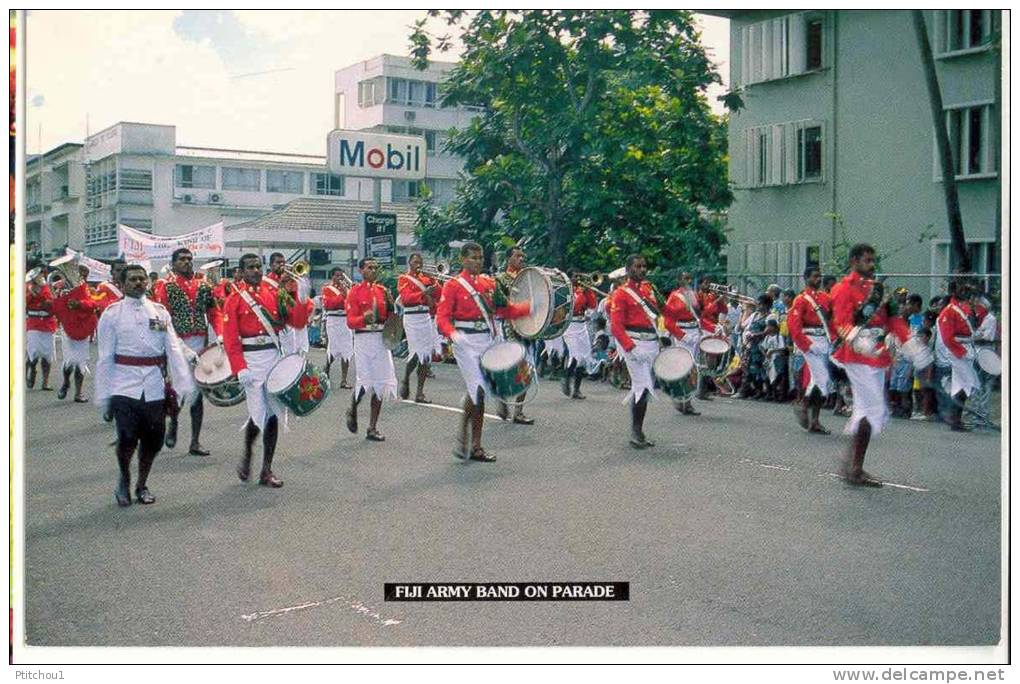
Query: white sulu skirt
[
  {"x": 578, "y": 343},
  {"x": 641, "y": 380},
  {"x": 75, "y": 353},
  {"x": 868, "y": 386},
  {"x": 373, "y": 366},
  {"x": 39, "y": 345},
  {"x": 261, "y": 404},
  {"x": 964, "y": 378},
  {"x": 340, "y": 338},
  {"x": 818, "y": 364},
  {"x": 421, "y": 336},
  {"x": 469, "y": 360}
]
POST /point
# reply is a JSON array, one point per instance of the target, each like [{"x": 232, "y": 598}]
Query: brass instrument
[
  {"x": 347, "y": 282},
  {"x": 591, "y": 281},
  {"x": 33, "y": 274},
  {"x": 299, "y": 269},
  {"x": 732, "y": 294},
  {"x": 64, "y": 269},
  {"x": 438, "y": 271}
]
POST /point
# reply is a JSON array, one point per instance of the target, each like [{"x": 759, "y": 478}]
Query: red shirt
[
  {"x": 273, "y": 281},
  {"x": 240, "y": 321},
  {"x": 711, "y": 306},
  {"x": 847, "y": 297},
  {"x": 802, "y": 315},
  {"x": 359, "y": 302},
  {"x": 627, "y": 313},
  {"x": 192, "y": 323},
  {"x": 40, "y": 303},
  {"x": 334, "y": 298},
  {"x": 78, "y": 323},
  {"x": 584, "y": 299},
  {"x": 952, "y": 325},
  {"x": 412, "y": 295},
  {"x": 457, "y": 304},
  {"x": 107, "y": 294},
  {"x": 677, "y": 311}
]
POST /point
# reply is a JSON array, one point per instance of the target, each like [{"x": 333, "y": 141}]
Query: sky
[{"x": 238, "y": 79}]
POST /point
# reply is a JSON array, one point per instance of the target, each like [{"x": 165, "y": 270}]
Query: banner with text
[
  {"x": 134, "y": 245},
  {"x": 98, "y": 271}
]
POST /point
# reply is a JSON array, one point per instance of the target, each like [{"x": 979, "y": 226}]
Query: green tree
[{"x": 594, "y": 137}]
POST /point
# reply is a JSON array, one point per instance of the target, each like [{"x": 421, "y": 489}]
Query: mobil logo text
[{"x": 376, "y": 155}]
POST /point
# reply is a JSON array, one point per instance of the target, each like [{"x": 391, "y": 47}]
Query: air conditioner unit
[
  {"x": 215, "y": 198},
  {"x": 188, "y": 199},
  {"x": 409, "y": 116}
]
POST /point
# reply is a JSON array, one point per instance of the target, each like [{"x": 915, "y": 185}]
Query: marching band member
[
  {"x": 710, "y": 305},
  {"x": 367, "y": 310},
  {"x": 193, "y": 310},
  {"x": 635, "y": 310},
  {"x": 76, "y": 311},
  {"x": 465, "y": 316},
  {"x": 252, "y": 320},
  {"x": 954, "y": 347},
  {"x": 578, "y": 344},
  {"x": 294, "y": 339},
  {"x": 340, "y": 339},
  {"x": 862, "y": 318},
  {"x": 136, "y": 340},
  {"x": 39, "y": 329},
  {"x": 419, "y": 296},
  {"x": 107, "y": 291},
  {"x": 515, "y": 260},
  {"x": 809, "y": 328},
  {"x": 680, "y": 316}
]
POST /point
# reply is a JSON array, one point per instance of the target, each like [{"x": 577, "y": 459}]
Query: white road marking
[
  {"x": 788, "y": 469},
  {"x": 446, "y": 408},
  {"x": 766, "y": 465},
  {"x": 356, "y": 606}
]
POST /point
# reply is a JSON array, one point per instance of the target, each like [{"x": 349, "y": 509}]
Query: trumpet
[
  {"x": 591, "y": 281},
  {"x": 345, "y": 279},
  {"x": 438, "y": 271},
  {"x": 299, "y": 269},
  {"x": 732, "y": 294}
]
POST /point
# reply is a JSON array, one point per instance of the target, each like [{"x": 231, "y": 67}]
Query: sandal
[{"x": 478, "y": 454}]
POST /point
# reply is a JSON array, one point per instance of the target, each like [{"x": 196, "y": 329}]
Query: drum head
[
  {"x": 714, "y": 345},
  {"x": 285, "y": 373},
  {"x": 673, "y": 364},
  {"x": 531, "y": 285},
  {"x": 989, "y": 361},
  {"x": 502, "y": 355},
  {"x": 213, "y": 366}
]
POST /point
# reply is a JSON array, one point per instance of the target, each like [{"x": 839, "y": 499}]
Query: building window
[
  {"x": 285, "y": 181},
  {"x": 135, "y": 179},
  {"x": 971, "y": 140},
  {"x": 809, "y": 153},
  {"x": 242, "y": 179},
  {"x": 983, "y": 259},
  {"x": 781, "y": 154},
  {"x": 371, "y": 92},
  {"x": 430, "y": 142},
  {"x": 188, "y": 176},
  {"x": 959, "y": 30},
  {"x": 405, "y": 191},
  {"x": 328, "y": 184},
  {"x": 780, "y": 47},
  {"x": 411, "y": 93}
]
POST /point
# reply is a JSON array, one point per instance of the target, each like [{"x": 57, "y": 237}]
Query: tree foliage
[{"x": 594, "y": 138}]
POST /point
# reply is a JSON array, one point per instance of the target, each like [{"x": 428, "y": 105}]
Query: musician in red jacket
[
  {"x": 107, "y": 291},
  {"x": 954, "y": 347},
  {"x": 293, "y": 339},
  {"x": 472, "y": 330},
  {"x": 76, "y": 310},
  {"x": 862, "y": 318},
  {"x": 633, "y": 322},
  {"x": 711, "y": 306},
  {"x": 338, "y": 334},
  {"x": 368, "y": 307},
  {"x": 576, "y": 339},
  {"x": 252, "y": 321},
  {"x": 810, "y": 330},
  {"x": 419, "y": 296},
  {"x": 39, "y": 329},
  {"x": 680, "y": 316}
]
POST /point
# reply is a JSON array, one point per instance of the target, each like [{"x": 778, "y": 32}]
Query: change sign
[
  {"x": 379, "y": 238},
  {"x": 376, "y": 155}
]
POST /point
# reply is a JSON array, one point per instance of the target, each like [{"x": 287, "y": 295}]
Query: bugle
[{"x": 731, "y": 293}]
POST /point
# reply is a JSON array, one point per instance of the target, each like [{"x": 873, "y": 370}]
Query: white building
[{"x": 54, "y": 200}]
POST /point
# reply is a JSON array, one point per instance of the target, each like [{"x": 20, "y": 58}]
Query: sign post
[{"x": 378, "y": 238}]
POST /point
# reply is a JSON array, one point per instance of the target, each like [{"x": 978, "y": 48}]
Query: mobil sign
[{"x": 376, "y": 155}]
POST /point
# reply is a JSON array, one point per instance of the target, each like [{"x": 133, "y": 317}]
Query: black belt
[
  {"x": 470, "y": 331},
  {"x": 471, "y": 325},
  {"x": 340, "y": 314},
  {"x": 257, "y": 347},
  {"x": 416, "y": 309},
  {"x": 363, "y": 332}
]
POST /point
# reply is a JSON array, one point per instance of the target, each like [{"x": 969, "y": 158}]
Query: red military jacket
[
  {"x": 78, "y": 323},
  {"x": 627, "y": 313},
  {"x": 273, "y": 281},
  {"x": 240, "y": 321},
  {"x": 802, "y": 315},
  {"x": 189, "y": 318},
  {"x": 952, "y": 325},
  {"x": 359, "y": 302},
  {"x": 677, "y": 311},
  {"x": 334, "y": 298},
  {"x": 711, "y": 306},
  {"x": 847, "y": 297},
  {"x": 584, "y": 299},
  {"x": 106, "y": 294},
  {"x": 457, "y": 304},
  {"x": 412, "y": 295},
  {"x": 39, "y": 310}
]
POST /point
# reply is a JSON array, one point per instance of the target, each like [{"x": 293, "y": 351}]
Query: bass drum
[
  {"x": 674, "y": 369},
  {"x": 989, "y": 361},
  {"x": 215, "y": 380},
  {"x": 297, "y": 384},
  {"x": 506, "y": 370},
  {"x": 552, "y": 299},
  {"x": 917, "y": 352}
]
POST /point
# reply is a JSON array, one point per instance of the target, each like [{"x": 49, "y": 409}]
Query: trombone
[
  {"x": 438, "y": 271},
  {"x": 299, "y": 269},
  {"x": 732, "y": 294},
  {"x": 591, "y": 281}
]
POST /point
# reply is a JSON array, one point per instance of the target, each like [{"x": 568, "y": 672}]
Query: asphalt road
[{"x": 731, "y": 531}]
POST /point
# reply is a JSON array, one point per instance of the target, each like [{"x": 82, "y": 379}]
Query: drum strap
[
  {"x": 115, "y": 290},
  {"x": 419, "y": 284},
  {"x": 256, "y": 309},
  {"x": 652, "y": 318},
  {"x": 818, "y": 312},
  {"x": 962, "y": 315},
  {"x": 479, "y": 302}
]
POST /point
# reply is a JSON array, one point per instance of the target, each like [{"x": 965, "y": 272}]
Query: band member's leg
[
  {"x": 352, "y": 412},
  {"x": 854, "y": 467},
  {"x": 171, "y": 431},
  {"x": 127, "y": 440},
  {"x": 251, "y": 431},
  {"x": 956, "y": 413},
  {"x": 477, "y": 420},
  {"x": 30, "y": 372},
  {"x": 151, "y": 440},
  {"x": 801, "y": 407},
  {"x": 329, "y": 362},
  {"x": 62, "y": 393},
  {"x": 461, "y": 448},
  {"x": 269, "y": 435},
  {"x": 79, "y": 381},
  {"x": 638, "y": 409},
  {"x": 45, "y": 363},
  {"x": 197, "y": 415},
  {"x": 423, "y": 374},
  {"x": 816, "y": 400},
  {"x": 345, "y": 366},
  {"x": 375, "y": 408},
  {"x": 405, "y": 384},
  {"x": 568, "y": 371}
]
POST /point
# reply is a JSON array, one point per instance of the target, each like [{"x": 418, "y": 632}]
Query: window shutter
[
  {"x": 792, "y": 153},
  {"x": 798, "y": 43},
  {"x": 778, "y": 48},
  {"x": 778, "y": 149},
  {"x": 766, "y": 50},
  {"x": 745, "y": 56}
]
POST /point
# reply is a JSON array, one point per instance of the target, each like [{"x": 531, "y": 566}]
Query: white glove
[
  {"x": 818, "y": 348},
  {"x": 458, "y": 338},
  {"x": 246, "y": 378}
]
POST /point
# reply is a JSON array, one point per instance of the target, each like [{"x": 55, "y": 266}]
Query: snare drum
[
  {"x": 673, "y": 368},
  {"x": 918, "y": 353},
  {"x": 297, "y": 384},
  {"x": 552, "y": 299},
  {"x": 989, "y": 361},
  {"x": 714, "y": 354},
  {"x": 214, "y": 378},
  {"x": 506, "y": 369}
]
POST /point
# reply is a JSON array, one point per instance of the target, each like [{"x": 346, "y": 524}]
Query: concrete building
[
  {"x": 837, "y": 131},
  {"x": 54, "y": 200}
]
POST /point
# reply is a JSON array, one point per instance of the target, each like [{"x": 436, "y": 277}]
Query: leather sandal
[
  {"x": 143, "y": 496},
  {"x": 270, "y": 480},
  {"x": 478, "y": 454},
  {"x": 522, "y": 419},
  {"x": 374, "y": 436}
]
